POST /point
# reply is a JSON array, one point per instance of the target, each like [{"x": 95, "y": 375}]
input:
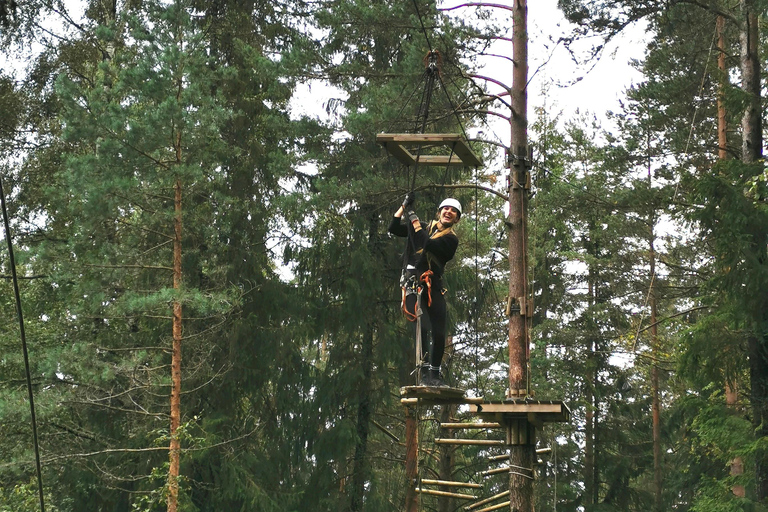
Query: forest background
[{"x": 146, "y": 137}]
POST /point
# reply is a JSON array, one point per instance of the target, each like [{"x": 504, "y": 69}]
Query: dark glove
[
  {"x": 409, "y": 200},
  {"x": 412, "y": 216}
]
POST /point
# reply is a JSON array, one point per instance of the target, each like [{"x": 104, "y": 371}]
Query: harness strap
[
  {"x": 426, "y": 278},
  {"x": 411, "y": 317}
]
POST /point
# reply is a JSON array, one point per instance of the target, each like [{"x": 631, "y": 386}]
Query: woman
[{"x": 430, "y": 246}]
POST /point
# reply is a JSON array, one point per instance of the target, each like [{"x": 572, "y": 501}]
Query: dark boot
[
  {"x": 436, "y": 378},
  {"x": 425, "y": 378}
]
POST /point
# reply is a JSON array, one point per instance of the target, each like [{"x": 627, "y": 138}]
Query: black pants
[{"x": 434, "y": 318}]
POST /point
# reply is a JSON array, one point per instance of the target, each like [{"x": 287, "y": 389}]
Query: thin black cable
[
  {"x": 453, "y": 107},
  {"x": 477, "y": 285},
  {"x": 423, "y": 28},
  {"x": 410, "y": 97},
  {"x": 12, "y": 262}
]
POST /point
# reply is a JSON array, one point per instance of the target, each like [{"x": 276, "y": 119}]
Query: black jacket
[{"x": 428, "y": 248}]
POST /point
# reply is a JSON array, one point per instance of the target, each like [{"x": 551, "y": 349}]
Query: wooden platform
[
  {"x": 438, "y": 149},
  {"x": 537, "y": 412},
  {"x": 411, "y": 395}
]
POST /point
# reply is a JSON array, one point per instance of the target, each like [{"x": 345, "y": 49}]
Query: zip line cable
[{"x": 12, "y": 263}]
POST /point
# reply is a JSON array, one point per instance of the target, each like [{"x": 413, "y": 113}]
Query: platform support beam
[
  {"x": 411, "y": 459},
  {"x": 522, "y": 456}
]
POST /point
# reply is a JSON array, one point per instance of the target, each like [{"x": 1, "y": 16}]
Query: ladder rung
[
  {"x": 477, "y": 442},
  {"x": 496, "y": 471},
  {"x": 452, "y": 484},
  {"x": 494, "y": 507},
  {"x": 505, "y": 456},
  {"x": 445, "y": 493},
  {"x": 471, "y": 425},
  {"x": 487, "y": 500}
]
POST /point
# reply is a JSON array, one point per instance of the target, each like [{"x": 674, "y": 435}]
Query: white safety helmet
[{"x": 450, "y": 202}]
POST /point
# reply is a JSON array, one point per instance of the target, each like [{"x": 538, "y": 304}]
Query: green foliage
[
  {"x": 294, "y": 348},
  {"x": 24, "y": 498}
]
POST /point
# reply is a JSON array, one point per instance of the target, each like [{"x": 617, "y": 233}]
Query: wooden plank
[
  {"x": 470, "y": 425},
  {"x": 447, "y": 483},
  {"x": 471, "y": 442},
  {"x": 443, "y": 160},
  {"x": 467, "y": 155},
  {"x": 455, "y": 148},
  {"x": 535, "y": 412},
  {"x": 401, "y": 154},
  {"x": 488, "y": 500},
  {"x": 445, "y": 493},
  {"x": 412, "y": 138},
  {"x": 431, "y": 392},
  {"x": 496, "y": 471},
  {"x": 495, "y": 507}
]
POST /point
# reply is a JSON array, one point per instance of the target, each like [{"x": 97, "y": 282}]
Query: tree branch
[
  {"x": 478, "y": 4},
  {"x": 479, "y": 187}
]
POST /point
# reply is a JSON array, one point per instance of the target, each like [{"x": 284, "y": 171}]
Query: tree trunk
[
  {"x": 590, "y": 494},
  {"x": 656, "y": 404},
  {"x": 445, "y": 467},
  {"x": 731, "y": 391},
  {"x": 737, "y": 464},
  {"x": 751, "y": 149},
  {"x": 751, "y": 122},
  {"x": 518, "y": 209},
  {"x": 722, "y": 126},
  {"x": 175, "y": 447},
  {"x": 411, "y": 459},
  {"x": 360, "y": 467},
  {"x": 521, "y": 455}
]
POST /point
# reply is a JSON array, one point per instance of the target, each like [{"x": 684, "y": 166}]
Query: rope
[
  {"x": 20, "y": 315},
  {"x": 426, "y": 278},
  {"x": 696, "y": 110},
  {"x": 423, "y": 28},
  {"x": 477, "y": 283}
]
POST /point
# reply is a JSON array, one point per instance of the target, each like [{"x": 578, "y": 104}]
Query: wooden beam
[
  {"x": 496, "y": 471},
  {"x": 458, "y": 151},
  {"x": 470, "y": 425},
  {"x": 495, "y": 507},
  {"x": 535, "y": 412},
  {"x": 433, "y": 492},
  {"x": 488, "y": 500},
  {"x": 446, "y": 483},
  {"x": 471, "y": 442},
  {"x": 410, "y": 402}
]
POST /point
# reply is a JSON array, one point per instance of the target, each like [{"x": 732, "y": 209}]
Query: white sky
[
  {"x": 595, "y": 88},
  {"x": 601, "y": 87}
]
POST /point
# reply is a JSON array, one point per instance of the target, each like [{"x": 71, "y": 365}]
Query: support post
[
  {"x": 411, "y": 459},
  {"x": 522, "y": 453}
]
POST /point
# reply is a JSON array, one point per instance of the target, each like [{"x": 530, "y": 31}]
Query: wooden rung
[
  {"x": 497, "y": 458},
  {"x": 487, "y": 500},
  {"x": 496, "y": 471},
  {"x": 452, "y": 484},
  {"x": 433, "y": 492},
  {"x": 472, "y": 442},
  {"x": 470, "y": 425},
  {"x": 435, "y": 400},
  {"x": 494, "y": 507}
]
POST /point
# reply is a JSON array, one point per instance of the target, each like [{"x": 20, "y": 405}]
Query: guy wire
[{"x": 12, "y": 263}]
